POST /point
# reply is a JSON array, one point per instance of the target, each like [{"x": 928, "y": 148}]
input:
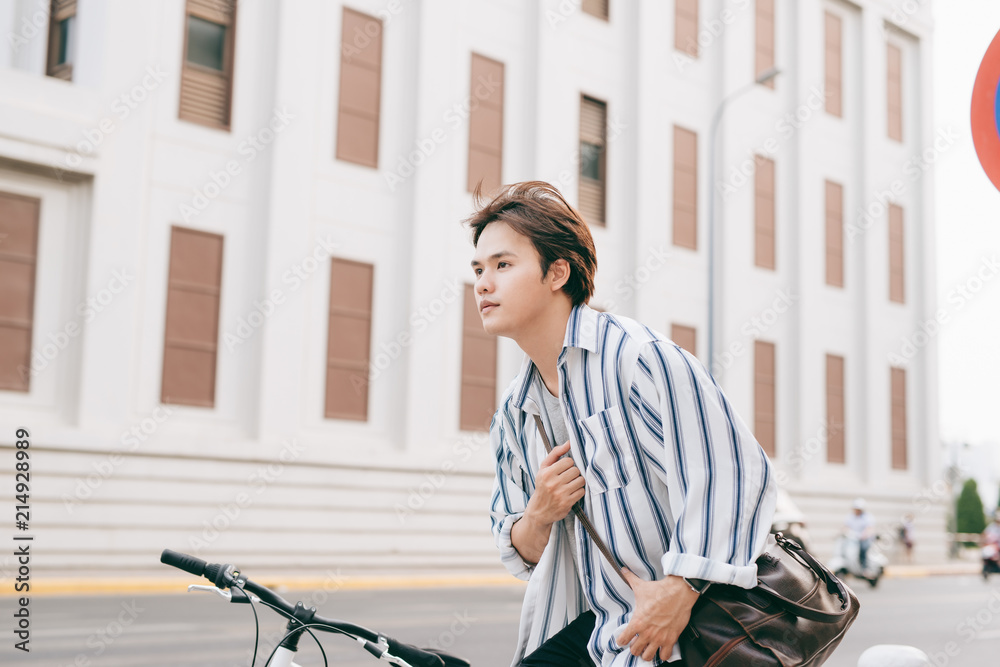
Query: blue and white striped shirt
[{"x": 676, "y": 483}]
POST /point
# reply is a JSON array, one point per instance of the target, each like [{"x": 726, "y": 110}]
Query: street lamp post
[{"x": 762, "y": 78}]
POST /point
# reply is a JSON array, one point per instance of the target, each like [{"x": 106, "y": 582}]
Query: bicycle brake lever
[{"x": 211, "y": 589}]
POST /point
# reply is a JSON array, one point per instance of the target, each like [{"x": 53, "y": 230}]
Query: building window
[
  {"x": 598, "y": 8},
  {"x": 685, "y": 336},
  {"x": 685, "y": 188},
  {"x": 191, "y": 334},
  {"x": 18, "y": 261},
  {"x": 834, "y": 234},
  {"x": 764, "y": 59},
  {"x": 896, "y": 291},
  {"x": 833, "y": 30},
  {"x": 62, "y": 39},
  {"x": 764, "y": 392},
  {"x": 349, "y": 339},
  {"x": 686, "y": 27},
  {"x": 479, "y": 369},
  {"x": 593, "y": 159},
  {"x": 360, "y": 98},
  {"x": 894, "y": 91},
  {"x": 207, "y": 72},
  {"x": 898, "y": 381},
  {"x": 485, "y": 123},
  {"x": 764, "y": 234},
  {"x": 835, "y": 408}
]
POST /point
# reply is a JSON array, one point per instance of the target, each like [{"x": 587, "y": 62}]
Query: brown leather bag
[{"x": 796, "y": 615}]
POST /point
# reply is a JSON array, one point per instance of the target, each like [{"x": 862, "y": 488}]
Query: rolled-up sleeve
[
  {"x": 508, "y": 500},
  {"x": 719, "y": 482}
]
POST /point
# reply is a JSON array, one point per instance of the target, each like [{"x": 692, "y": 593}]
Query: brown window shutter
[
  {"x": 764, "y": 245},
  {"x": 207, "y": 90},
  {"x": 18, "y": 261},
  {"x": 593, "y": 159},
  {"x": 190, "y": 341},
  {"x": 686, "y": 27},
  {"x": 896, "y": 263},
  {"x": 479, "y": 369},
  {"x": 349, "y": 339},
  {"x": 834, "y": 234},
  {"x": 833, "y": 64},
  {"x": 485, "y": 123},
  {"x": 765, "y": 39},
  {"x": 898, "y": 382},
  {"x": 835, "y": 408},
  {"x": 360, "y": 98},
  {"x": 598, "y": 8},
  {"x": 764, "y": 393},
  {"x": 62, "y": 26},
  {"x": 685, "y": 188},
  {"x": 894, "y": 91},
  {"x": 685, "y": 336}
]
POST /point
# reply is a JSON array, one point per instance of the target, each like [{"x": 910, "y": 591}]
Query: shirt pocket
[{"x": 606, "y": 446}]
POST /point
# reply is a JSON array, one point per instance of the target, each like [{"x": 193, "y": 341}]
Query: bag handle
[{"x": 833, "y": 585}]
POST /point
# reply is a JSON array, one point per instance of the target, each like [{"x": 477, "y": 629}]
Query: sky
[{"x": 968, "y": 232}]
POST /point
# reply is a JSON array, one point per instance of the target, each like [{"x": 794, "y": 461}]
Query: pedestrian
[
  {"x": 671, "y": 477},
  {"x": 906, "y": 536}
]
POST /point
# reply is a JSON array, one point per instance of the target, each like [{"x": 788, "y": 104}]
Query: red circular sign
[{"x": 986, "y": 112}]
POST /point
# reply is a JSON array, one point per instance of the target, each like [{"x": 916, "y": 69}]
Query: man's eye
[{"x": 502, "y": 264}]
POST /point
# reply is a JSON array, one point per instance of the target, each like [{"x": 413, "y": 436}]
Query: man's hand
[
  {"x": 558, "y": 485},
  {"x": 662, "y": 611}
]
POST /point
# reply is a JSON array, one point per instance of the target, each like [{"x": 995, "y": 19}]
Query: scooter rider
[{"x": 861, "y": 525}]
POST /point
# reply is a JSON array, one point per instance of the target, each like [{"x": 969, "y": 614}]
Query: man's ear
[{"x": 559, "y": 272}]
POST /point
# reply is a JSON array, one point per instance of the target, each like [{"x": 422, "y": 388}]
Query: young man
[{"x": 672, "y": 479}]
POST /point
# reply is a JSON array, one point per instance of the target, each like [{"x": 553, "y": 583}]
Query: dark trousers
[{"x": 568, "y": 647}]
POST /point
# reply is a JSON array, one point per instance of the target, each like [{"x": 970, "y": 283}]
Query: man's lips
[{"x": 487, "y": 305}]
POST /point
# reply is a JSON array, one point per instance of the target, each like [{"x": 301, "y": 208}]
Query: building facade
[{"x": 236, "y": 295}]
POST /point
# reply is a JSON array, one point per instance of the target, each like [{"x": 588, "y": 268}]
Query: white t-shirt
[{"x": 561, "y": 435}]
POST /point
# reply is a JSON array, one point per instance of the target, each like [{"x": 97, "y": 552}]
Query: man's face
[
  {"x": 510, "y": 292},
  {"x": 858, "y": 511}
]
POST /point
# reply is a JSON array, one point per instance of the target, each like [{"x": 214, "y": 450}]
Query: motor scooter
[{"x": 846, "y": 559}]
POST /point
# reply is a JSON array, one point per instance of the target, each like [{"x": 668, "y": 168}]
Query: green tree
[{"x": 970, "y": 517}]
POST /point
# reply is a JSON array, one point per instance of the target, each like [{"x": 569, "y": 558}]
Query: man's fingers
[
  {"x": 554, "y": 455},
  {"x": 630, "y": 577},
  {"x": 626, "y": 635},
  {"x": 665, "y": 652}
]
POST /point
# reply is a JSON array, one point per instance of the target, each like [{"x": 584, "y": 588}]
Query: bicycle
[{"x": 301, "y": 620}]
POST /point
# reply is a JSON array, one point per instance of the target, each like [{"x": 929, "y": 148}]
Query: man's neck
[{"x": 544, "y": 343}]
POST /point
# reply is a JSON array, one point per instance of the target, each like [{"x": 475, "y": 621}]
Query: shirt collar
[{"x": 581, "y": 332}]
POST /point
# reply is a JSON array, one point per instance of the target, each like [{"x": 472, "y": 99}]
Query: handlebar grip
[
  {"x": 196, "y": 566},
  {"x": 190, "y": 564},
  {"x": 413, "y": 655}
]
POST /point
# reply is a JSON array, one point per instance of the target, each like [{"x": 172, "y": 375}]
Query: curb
[{"x": 86, "y": 586}]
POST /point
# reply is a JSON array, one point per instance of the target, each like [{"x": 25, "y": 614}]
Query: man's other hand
[{"x": 662, "y": 611}]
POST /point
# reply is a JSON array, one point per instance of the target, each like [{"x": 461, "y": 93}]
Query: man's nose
[{"x": 483, "y": 284}]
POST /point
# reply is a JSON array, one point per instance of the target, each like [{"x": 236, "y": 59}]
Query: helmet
[{"x": 859, "y": 504}]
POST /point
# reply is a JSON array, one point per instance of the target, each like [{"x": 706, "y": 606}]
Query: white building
[{"x": 198, "y": 362}]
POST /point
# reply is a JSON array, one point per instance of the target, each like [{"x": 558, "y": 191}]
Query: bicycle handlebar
[{"x": 223, "y": 576}]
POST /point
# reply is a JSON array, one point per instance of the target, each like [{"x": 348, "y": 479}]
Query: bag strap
[
  {"x": 833, "y": 585},
  {"x": 581, "y": 515}
]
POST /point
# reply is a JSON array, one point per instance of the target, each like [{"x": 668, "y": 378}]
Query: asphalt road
[{"x": 956, "y": 620}]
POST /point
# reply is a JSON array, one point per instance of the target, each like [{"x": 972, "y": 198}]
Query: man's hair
[{"x": 538, "y": 211}]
